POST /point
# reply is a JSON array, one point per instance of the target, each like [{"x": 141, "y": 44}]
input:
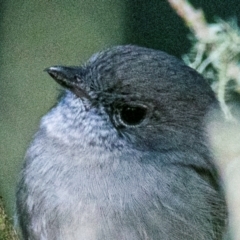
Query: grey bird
[{"x": 124, "y": 155}]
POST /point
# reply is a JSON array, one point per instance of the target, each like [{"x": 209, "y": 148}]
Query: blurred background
[{"x": 37, "y": 34}]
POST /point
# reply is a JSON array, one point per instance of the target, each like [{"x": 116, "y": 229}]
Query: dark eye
[{"x": 132, "y": 115}]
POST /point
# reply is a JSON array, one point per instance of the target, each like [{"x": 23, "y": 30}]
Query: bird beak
[{"x": 70, "y": 78}]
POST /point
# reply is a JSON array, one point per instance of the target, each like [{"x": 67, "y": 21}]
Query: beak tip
[{"x": 52, "y": 69}]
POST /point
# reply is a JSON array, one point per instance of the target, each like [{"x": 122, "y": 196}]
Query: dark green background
[{"x": 36, "y": 34}]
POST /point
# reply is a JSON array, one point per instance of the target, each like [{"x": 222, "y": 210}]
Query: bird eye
[{"x": 132, "y": 115}]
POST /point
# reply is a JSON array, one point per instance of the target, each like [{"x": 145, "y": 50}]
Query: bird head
[{"x": 145, "y": 97}]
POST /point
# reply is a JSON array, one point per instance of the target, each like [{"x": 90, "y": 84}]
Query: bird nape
[{"x": 124, "y": 154}]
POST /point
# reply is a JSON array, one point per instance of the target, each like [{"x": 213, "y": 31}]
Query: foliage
[
  {"x": 215, "y": 51},
  {"x": 7, "y": 231}
]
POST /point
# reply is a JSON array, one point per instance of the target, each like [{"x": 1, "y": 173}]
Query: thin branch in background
[
  {"x": 193, "y": 18},
  {"x": 215, "y": 52}
]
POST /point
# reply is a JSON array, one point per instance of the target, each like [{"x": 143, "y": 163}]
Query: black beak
[{"x": 70, "y": 78}]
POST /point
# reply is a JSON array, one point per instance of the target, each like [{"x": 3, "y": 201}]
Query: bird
[{"x": 124, "y": 154}]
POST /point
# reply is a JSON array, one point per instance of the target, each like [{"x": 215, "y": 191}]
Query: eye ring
[{"x": 131, "y": 115}]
